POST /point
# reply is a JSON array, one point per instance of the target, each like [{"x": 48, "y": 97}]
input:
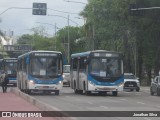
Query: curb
[{"x": 41, "y": 105}]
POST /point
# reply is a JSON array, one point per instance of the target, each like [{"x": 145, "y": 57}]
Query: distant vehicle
[
  {"x": 66, "y": 75},
  {"x": 97, "y": 71},
  {"x": 131, "y": 82},
  {"x": 40, "y": 71},
  {"x": 155, "y": 86},
  {"x": 9, "y": 65}
]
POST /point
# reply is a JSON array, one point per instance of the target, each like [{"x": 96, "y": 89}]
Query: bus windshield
[
  {"x": 11, "y": 67},
  {"x": 47, "y": 66},
  {"x": 105, "y": 67}
]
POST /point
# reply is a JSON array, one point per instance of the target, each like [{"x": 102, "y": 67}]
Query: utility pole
[
  {"x": 55, "y": 36},
  {"x": 68, "y": 42}
]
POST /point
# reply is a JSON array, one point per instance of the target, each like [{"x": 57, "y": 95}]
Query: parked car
[
  {"x": 66, "y": 75},
  {"x": 155, "y": 86},
  {"x": 131, "y": 82}
]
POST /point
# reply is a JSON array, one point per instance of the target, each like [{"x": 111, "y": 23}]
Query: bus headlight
[
  {"x": 59, "y": 82},
  {"x": 31, "y": 81},
  {"x": 121, "y": 85},
  {"x": 91, "y": 83}
]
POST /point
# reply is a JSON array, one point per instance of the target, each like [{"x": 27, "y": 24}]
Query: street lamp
[
  {"x": 68, "y": 19},
  {"x": 55, "y": 27}
]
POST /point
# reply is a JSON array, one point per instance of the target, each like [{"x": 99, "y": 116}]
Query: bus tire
[
  {"x": 28, "y": 92},
  {"x": 87, "y": 92},
  {"x": 114, "y": 93},
  {"x": 75, "y": 90},
  {"x": 57, "y": 92}
]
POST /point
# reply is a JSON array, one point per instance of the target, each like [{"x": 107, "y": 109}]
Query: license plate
[
  {"x": 45, "y": 86},
  {"x": 130, "y": 85}
]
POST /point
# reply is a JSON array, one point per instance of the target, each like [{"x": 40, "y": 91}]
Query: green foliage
[
  {"x": 74, "y": 37},
  {"x": 135, "y": 36}
]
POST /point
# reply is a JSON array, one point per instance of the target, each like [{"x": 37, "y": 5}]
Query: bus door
[{"x": 77, "y": 74}]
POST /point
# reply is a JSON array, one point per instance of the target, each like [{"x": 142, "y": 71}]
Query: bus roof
[
  {"x": 84, "y": 54},
  {"x": 39, "y": 51}
]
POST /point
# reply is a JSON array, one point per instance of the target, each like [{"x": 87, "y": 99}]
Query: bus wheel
[
  {"x": 114, "y": 93},
  {"x": 75, "y": 91},
  {"x": 103, "y": 93},
  {"x": 28, "y": 92},
  {"x": 87, "y": 92},
  {"x": 57, "y": 92}
]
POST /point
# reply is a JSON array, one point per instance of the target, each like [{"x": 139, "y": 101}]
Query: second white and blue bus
[
  {"x": 9, "y": 65},
  {"x": 97, "y": 71},
  {"x": 40, "y": 71}
]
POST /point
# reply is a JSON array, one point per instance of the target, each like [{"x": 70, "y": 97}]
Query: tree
[{"x": 135, "y": 36}]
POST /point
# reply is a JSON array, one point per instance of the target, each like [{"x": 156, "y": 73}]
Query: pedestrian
[{"x": 5, "y": 82}]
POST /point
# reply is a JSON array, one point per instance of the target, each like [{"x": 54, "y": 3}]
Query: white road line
[
  {"x": 124, "y": 99},
  {"x": 140, "y": 103},
  {"x": 146, "y": 118},
  {"x": 90, "y": 102},
  {"x": 104, "y": 107}
]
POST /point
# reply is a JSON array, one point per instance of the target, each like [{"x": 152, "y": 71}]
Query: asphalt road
[{"x": 125, "y": 101}]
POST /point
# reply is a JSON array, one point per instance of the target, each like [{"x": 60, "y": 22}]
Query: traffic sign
[{"x": 39, "y": 9}]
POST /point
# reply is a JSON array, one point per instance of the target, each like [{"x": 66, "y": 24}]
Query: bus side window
[
  {"x": 82, "y": 63},
  {"x": 75, "y": 63}
]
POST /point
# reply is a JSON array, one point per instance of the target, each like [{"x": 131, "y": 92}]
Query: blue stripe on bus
[
  {"x": 12, "y": 78},
  {"x": 44, "y": 81},
  {"x": 117, "y": 82}
]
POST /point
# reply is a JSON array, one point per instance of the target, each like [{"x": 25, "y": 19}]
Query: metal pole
[
  {"x": 55, "y": 35},
  {"x": 135, "y": 58},
  {"x": 93, "y": 32},
  {"x": 68, "y": 42}
]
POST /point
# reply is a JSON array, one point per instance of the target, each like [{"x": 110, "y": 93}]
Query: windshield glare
[
  {"x": 104, "y": 67},
  {"x": 45, "y": 67}
]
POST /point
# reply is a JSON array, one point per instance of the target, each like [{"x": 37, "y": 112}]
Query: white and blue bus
[
  {"x": 9, "y": 65},
  {"x": 40, "y": 71},
  {"x": 97, "y": 71}
]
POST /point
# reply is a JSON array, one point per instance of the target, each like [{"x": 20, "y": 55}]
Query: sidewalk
[{"x": 11, "y": 102}]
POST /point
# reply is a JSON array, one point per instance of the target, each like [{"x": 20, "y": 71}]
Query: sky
[{"x": 20, "y": 21}]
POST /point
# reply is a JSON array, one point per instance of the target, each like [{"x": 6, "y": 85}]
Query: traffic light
[{"x": 39, "y": 9}]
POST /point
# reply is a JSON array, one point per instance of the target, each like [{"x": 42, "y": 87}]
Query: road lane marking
[
  {"x": 90, "y": 102},
  {"x": 140, "y": 103},
  {"x": 124, "y": 99},
  {"x": 104, "y": 107},
  {"x": 146, "y": 118}
]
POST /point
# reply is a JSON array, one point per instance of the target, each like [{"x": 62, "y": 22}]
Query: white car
[
  {"x": 66, "y": 75},
  {"x": 131, "y": 82}
]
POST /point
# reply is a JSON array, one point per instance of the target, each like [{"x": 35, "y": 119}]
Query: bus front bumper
[{"x": 93, "y": 87}]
